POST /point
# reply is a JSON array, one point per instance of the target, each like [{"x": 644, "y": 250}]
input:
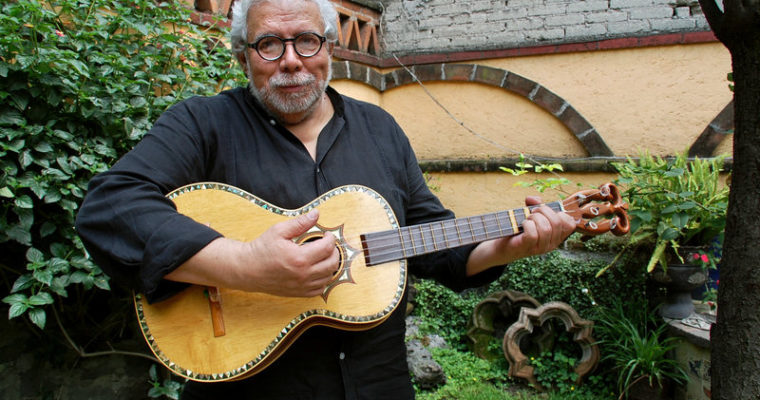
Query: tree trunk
[{"x": 735, "y": 338}]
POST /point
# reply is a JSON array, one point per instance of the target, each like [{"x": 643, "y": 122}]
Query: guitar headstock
[{"x": 591, "y": 207}]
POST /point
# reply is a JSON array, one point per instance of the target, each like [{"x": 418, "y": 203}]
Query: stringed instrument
[{"x": 219, "y": 334}]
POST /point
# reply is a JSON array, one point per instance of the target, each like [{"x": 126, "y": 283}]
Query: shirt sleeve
[{"x": 130, "y": 229}]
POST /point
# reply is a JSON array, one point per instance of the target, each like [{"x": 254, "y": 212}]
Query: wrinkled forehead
[{"x": 285, "y": 18}]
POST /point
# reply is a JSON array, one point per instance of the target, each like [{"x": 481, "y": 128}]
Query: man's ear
[{"x": 241, "y": 60}]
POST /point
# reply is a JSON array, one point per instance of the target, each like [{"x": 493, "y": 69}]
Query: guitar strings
[{"x": 491, "y": 230}]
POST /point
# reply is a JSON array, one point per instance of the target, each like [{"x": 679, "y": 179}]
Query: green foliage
[
  {"x": 468, "y": 391},
  {"x": 467, "y": 377},
  {"x": 471, "y": 378},
  {"x": 444, "y": 312},
  {"x": 549, "y": 277},
  {"x": 433, "y": 183},
  {"x": 673, "y": 203},
  {"x": 556, "y": 277},
  {"x": 555, "y": 370},
  {"x": 168, "y": 388},
  {"x": 637, "y": 346},
  {"x": 523, "y": 167},
  {"x": 81, "y": 82},
  {"x": 580, "y": 393}
]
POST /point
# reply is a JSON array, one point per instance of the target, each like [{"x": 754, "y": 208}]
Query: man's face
[{"x": 291, "y": 86}]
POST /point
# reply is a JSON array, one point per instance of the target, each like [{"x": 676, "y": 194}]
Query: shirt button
[
  {"x": 272, "y": 122},
  {"x": 342, "y": 355}
]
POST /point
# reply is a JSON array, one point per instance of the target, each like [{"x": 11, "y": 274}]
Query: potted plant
[{"x": 677, "y": 215}]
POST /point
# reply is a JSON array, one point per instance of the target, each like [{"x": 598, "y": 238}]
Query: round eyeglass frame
[{"x": 255, "y": 45}]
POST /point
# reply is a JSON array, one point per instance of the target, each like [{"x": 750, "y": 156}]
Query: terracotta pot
[{"x": 641, "y": 390}]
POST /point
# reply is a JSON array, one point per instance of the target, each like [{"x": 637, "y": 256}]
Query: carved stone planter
[
  {"x": 529, "y": 319},
  {"x": 679, "y": 280},
  {"x": 492, "y": 317}
]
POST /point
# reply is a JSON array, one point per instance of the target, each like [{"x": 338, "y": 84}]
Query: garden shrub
[
  {"x": 443, "y": 311},
  {"x": 557, "y": 277},
  {"x": 467, "y": 377},
  {"x": 81, "y": 82}
]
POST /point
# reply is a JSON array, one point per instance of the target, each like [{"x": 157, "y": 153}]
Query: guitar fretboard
[{"x": 410, "y": 241}]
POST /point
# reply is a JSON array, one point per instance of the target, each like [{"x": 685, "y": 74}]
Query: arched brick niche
[
  {"x": 359, "y": 42},
  {"x": 716, "y": 132},
  {"x": 704, "y": 146},
  {"x": 500, "y": 78}
]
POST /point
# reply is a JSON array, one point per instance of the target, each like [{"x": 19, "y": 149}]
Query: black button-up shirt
[{"x": 135, "y": 234}]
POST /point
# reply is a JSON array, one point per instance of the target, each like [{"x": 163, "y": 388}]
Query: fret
[
  {"x": 485, "y": 226},
  {"x": 422, "y": 238},
  {"x": 472, "y": 230},
  {"x": 520, "y": 217},
  {"x": 513, "y": 220},
  {"x": 416, "y": 240},
  {"x": 401, "y": 242},
  {"x": 498, "y": 223},
  {"x": 428, "y": 228},
  {"x": 411, "y": 239},
  {"x": 459, "y": 233}
]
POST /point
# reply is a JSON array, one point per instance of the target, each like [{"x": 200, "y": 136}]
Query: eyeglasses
[{"x": 271, "y": 47}]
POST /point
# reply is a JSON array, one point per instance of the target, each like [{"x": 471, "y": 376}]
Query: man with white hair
[{"x": 287, "y": 139}]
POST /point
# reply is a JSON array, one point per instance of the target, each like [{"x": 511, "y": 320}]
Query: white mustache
[{"x": 292, "y": 80}]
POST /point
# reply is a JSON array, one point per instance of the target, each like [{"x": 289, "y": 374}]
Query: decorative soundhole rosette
[
  {"x": 519, "y": 365},
  {"x": 346, "y": 254}
]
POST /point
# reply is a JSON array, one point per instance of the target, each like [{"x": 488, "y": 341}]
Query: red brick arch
[{"x": 500, "y": 78}]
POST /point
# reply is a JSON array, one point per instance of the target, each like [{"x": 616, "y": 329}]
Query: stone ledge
[
  {"x": 587, "y": 164},
  {"x": 694, "y": 328}
]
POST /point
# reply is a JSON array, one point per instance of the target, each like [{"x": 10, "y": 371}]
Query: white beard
[{"x": 280, "y": 104}]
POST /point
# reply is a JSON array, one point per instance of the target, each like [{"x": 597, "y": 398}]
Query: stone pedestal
[{"x": 693, "y": 354}]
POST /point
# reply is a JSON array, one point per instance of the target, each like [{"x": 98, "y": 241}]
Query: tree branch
[
  {"x": 84, "y": 354},
  {"x": 714, "y": 16}
]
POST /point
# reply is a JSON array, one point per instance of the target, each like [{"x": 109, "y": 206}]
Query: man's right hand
[{"x": 272, "y": 263}]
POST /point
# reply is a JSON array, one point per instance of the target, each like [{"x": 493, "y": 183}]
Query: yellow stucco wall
[
  {"x": 654, "y": 98},
  {"x": 474, "y": 193},
  {"x": 658, "y": 98}
]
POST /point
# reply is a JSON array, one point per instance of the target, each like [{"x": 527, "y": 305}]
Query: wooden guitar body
[
  {"x": 219, "y": 334},
  {"x": 259, "y": 327}
]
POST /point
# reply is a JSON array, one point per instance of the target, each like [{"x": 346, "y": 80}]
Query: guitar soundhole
[{"x": 341, "y": 256}]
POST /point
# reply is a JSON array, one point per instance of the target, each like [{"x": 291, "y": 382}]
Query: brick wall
[{"x": 434, "y": 26}]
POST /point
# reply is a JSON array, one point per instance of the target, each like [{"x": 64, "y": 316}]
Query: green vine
[{"x": 81, "y": 82}]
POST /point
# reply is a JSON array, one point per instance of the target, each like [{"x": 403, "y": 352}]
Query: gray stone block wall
[{"x": 434, "y": 26}]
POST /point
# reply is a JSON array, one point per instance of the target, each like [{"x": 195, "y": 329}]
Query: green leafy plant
[
  {"x": 523, "y": 167},
  {"x": 673, "y": 203},
  {"x": 467, "y": 377},
  {"x": 637, "y": 346},
  {"x": 444, "y": 312},
  {"x": 166, "y": 388},
  {"x": 553, "y": 276},
  {"x": 555, "y": 370},
  {"x": 81, "y": 82},
  {"x": 556, "y": 277}
]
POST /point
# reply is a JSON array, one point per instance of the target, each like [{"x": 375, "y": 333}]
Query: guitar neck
[{"x": 410, "y": 241}]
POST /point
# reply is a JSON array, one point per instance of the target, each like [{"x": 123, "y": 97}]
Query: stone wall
[{"x": 429, "y": 26}]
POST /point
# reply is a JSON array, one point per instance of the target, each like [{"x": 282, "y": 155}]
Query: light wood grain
[{"x": 180, "y": 330}]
